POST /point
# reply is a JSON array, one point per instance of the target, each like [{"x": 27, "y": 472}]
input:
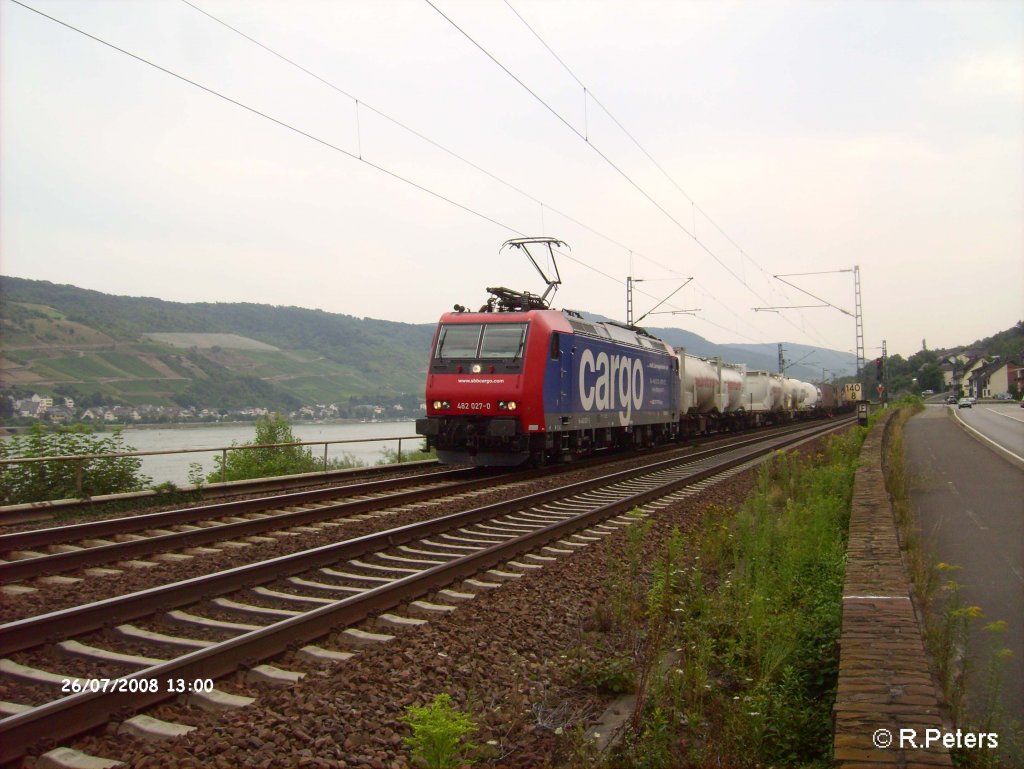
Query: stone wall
[{"x": 885, "y": 684}]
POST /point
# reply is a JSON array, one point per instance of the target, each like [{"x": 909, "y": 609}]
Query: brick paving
[{"x": 884, "y": 679}]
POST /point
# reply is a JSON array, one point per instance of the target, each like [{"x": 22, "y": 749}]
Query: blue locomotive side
[{"x": 598, "y": 383}]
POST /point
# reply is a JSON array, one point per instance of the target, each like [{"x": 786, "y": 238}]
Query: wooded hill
[
  {"x": 223, "y": 355},
  {"x": 60, "y": 339}
]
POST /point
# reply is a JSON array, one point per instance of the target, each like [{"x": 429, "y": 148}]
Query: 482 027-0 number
[{"x": 151, "y": 685}]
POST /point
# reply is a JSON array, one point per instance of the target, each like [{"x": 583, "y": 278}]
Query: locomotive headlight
[
  {"x": 507, "y": 405},
  {"x": 477, "y": 368},
  {"x": 511, "y": 405},
  {"x": 439, "y": 405}
]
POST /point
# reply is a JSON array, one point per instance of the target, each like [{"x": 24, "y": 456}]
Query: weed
[
  {"x": 582, "y": 750},
  {"x": 391, "y": 456},
  {"x": 754, "y": 619},
  {"x": 196, "y": 475},
  {"x": 439, "y": 734},
  {"x": 610, "y": 675}
]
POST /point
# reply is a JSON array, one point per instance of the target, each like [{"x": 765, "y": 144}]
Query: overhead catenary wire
[
  {"x": 419, "y": 135},
  {"x": 271, "y": 118},
  {"x": 595, "y": 148},
  {"x": 693, "y": 204},
  {"x": 306, "y": 135},
  {"x": 393, "y": 174}
]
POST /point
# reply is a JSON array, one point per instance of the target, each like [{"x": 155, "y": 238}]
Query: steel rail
[
  {"x": 32, "y": 631},
  {"x": 86, "y": 710},
  {"x": 13, "y": 571},
  {"x": 56, "y": 563},
  {"x": 20, "y": 540},
  {"x": 26, "y": 511}
]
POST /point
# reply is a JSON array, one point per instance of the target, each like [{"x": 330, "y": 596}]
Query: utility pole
[
  {"x": 884, "y": 381},
  {"x": 629, "y": 300},
  {"x": 858, "y": 319},
  {"x": 630, "y": 280},
  {"x": 857, "y": 315},
  {"x": 782, "y": 360}
]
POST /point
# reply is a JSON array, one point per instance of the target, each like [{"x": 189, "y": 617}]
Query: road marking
[
  {"x": 988, "y": 440},
  {"x": 973, "y": 517},
  {"x": 876, "y": 598},
  {"x": 1004, "y": 414},
  {"x": 1017, "y": 574}
]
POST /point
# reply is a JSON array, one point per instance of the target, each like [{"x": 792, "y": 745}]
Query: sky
[{"x": 371, "y": 157}]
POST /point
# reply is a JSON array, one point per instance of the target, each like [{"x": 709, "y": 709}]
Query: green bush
[
  {"x": 43, "y": 481},
  {"x": 268, "y": 461},
  {"x": 390, "y": 456},
  {"x": 439, "y": 733},
  {"x": 755, "y": 622}
]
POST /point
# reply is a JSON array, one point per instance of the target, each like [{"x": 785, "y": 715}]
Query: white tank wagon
[
  {"x": 792, "y": 394},
  {"x": 732, "y": 385},
  {"x": 698, "y": 384},
  {"x": 762, "y": 391},
  {"x": 811, "y": 397}
]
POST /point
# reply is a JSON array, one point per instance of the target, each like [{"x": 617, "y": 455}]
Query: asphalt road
[
  {"x": 1002, "y": 423},
  {"x": 969, "y": 500}
]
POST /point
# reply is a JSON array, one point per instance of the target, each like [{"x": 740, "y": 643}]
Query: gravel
[{"x": 503, "y": 657}]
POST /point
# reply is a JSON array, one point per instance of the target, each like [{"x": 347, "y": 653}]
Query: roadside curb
[
  {"x": 885, "y": 684},
  {"x": 1002, "y": 451}
]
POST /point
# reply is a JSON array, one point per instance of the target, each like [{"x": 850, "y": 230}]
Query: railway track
[
  {"x": 58, "y": 550},
  {"x": 15, "y": 515},
  {"x": 84, "y": 545},
  {"x": 260, "y": 610}
]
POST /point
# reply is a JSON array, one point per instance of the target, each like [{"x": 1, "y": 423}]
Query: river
[{"x": 175, "y": 467}]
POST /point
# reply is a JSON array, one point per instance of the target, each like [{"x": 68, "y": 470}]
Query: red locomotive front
[{"x": 485, "y": 384}]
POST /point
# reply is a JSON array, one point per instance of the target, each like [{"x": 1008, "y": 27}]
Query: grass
[
  {"x": 949, "y": 623},
  {"x": 76, "y": 369},
  {"x": 440, "y": 734},
  {"x": 735, "y": 628},
  {"x": 130, "y": 364}
]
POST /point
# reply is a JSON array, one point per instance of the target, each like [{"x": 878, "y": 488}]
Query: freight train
[{"x": 517, "y": 382}]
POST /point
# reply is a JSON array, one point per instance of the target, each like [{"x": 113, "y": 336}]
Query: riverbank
[
  {"x": 179, "y": 447},
  {"x": 8, "y": 430}
]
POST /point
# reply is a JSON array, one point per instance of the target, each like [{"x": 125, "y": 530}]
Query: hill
[
  {"x": 144, "y": 350},
  {"x": 802, "y": 362},
  {"x": 1006, "y": 345},
  {"x": 96, "y": 347}
]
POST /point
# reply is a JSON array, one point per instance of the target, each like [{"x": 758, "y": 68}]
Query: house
[
  {"x": 28, "y": 408},
  {"x": 61, "y": 414},
  {"x": 993, "y": 379},
  {"x": 956, "y": 368},
  {"x": 44, "y": 401}
]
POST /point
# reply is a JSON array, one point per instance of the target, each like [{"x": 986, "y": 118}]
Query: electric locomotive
[{"x": 519, "y": 382}]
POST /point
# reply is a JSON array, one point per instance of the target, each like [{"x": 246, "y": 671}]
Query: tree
[
  {"x": 41, "y": 481},
  {"x": 244, "y": 463},
  {"x": 929, "y": 377}
]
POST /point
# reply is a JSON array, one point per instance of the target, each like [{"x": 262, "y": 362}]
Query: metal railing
[{"x": 81, "y": 460}]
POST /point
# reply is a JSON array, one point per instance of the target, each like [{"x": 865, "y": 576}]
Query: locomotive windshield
[{"x": 481, "y": 340}]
